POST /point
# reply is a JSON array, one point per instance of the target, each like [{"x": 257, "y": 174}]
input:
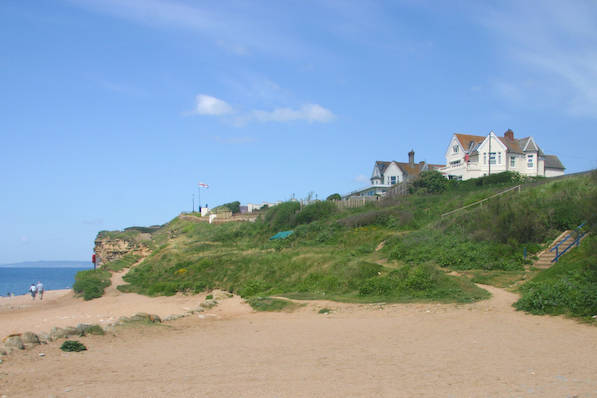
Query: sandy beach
[{"x": 484, "y": 349}]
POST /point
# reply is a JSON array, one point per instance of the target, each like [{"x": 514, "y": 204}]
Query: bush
[
  {"x": 315, "y": 211},
  {"x": 334, "y": 196},
  {"x": 73, "y": 346},
  {"x": 91, "y": 283},
  {"x": 568, "y": 287},
  {"x": 282, "y": 216},
  {"x": 499, "y": 178},
  {"x": 431, "y": 181},
  {"x": 234, "y": 207}
]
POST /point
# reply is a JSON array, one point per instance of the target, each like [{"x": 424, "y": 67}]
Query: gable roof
[
  {"x": 406, "y": 167},
  {"x": 466, "y": 140},
  {"x": 528, "y": 144},
  {"x": 512, "y": 145},
  {"x": 382, "y": 166},
  {"x": 553, "y": 162}
]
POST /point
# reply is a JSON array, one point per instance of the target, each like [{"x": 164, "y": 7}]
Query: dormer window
[{"x": 455, "y": 149}]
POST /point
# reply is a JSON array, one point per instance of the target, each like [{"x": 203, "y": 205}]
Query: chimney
[
  {"x": 509, "y": 134},
  {"x": 411, "y": 158}
]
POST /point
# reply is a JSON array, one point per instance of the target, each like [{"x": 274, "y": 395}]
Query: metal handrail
[{"x": 579, "y": 235}]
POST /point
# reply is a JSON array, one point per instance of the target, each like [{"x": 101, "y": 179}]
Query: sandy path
[{"x": 484, "y": 349}]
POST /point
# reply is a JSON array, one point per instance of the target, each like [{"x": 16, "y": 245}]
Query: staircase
[
  {"x": 547, "y": 255},
  {"x": 563, "y": 243}
]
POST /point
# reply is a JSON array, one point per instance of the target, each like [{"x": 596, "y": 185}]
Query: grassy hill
[{"x": 396, "y": 250}]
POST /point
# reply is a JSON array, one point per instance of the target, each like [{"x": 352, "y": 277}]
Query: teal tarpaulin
[{"x": 281, "y": 235}]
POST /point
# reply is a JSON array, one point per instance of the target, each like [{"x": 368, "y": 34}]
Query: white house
[
  {"x": 388, "y": 173},
  {"x": 471, "y": 156}
]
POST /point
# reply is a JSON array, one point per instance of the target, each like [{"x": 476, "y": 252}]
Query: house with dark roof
[
  {"x": 389, "y": 173},
  {"x": 472, "y": 156}
]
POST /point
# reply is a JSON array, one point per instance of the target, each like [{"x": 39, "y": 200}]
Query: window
[
  {"x": 455, "y": 149},
  {"x": 393, "y": 180},
  {"x": 499, "y": 158},
  {"x": 455, "y": 163},
  {"x": 491, "y": 157},
  {"x": 484, "y": 157},
  {"x": 530, "y": 161},
  {"x": 512, "y": 161}
]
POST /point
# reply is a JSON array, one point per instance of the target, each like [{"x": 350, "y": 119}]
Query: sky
[{"x": 112, "y": 111}]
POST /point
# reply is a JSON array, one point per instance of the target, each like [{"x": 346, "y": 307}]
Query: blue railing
[{"x": 576, "y": 236}]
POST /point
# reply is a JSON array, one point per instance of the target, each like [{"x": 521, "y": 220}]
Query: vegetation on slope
[
  {"x": 394, "y": 250},
  {"x": 91, "y": 283},
  {"x": 122, "y": 263},
  {"x": 570, "y": 286}
]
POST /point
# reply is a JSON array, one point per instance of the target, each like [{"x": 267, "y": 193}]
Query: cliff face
[{"x": 111, "y": 246}]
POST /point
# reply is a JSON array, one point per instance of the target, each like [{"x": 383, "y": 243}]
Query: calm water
[{"x": 18, "y": 280}]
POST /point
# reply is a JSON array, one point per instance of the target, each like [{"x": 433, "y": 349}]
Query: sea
[{"x": 17, "y": 280}]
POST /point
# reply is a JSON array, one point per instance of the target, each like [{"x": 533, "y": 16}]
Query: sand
[{"x": 484, "y": 349}]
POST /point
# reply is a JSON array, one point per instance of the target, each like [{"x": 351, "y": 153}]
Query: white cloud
[
  {"x": 308, "y": 112},
  {"x": 212, "y": 106},
  {"x": 208, "y": 105}
]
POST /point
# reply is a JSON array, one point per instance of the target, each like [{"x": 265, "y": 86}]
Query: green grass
[
  {"x": 91, "y": 283},
  {"x": 502, "y": 279},
  {"x": 125, "y": 262},
  {"x": 333, "y": 253},
  {"x": 569, "y": 287}
]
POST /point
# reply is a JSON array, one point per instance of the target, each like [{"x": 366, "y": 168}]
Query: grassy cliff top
[{"x": 393, "y": 250}]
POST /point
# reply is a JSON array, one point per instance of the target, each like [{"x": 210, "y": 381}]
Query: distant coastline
[{"x": 49, "y": 264}]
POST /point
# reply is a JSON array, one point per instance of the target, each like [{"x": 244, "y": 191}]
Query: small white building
[
  {"x": 251, "y": 207},
  {"x": 472, "y": 156},
  {"x": 389, "y": 173}
]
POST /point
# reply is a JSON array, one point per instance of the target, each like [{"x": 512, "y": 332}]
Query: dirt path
[{"x": 485, "y": 349}]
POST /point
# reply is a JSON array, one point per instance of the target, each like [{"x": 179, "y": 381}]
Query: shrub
[
  {"x": 91, "y": 283},
  {"x": 72, "y": 346},
  {"x": 282, "y": 216},
  {"x": 234, "y": 207},
  {"x": 315, "y": 211},
  {"x": 431, "y": 181}
]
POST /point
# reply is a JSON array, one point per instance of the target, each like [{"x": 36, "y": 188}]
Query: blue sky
[{"x": 113, "y": 110}]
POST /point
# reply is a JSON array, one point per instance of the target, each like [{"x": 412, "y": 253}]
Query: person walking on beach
[
  {"x": 32, "y": 290},
  {"x": 40, "y": 289}
]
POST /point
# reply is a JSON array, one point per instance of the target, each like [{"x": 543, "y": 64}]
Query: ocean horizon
[
  {"x": 49, "y": 264},
  {"x": 16, "y": 280}
]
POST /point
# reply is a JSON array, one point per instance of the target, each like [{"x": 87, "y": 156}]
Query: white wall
[
  {"x": 500, "y": 155},
  {"x": 553, "y": 172},
  {"x": 392, "y": 170}
]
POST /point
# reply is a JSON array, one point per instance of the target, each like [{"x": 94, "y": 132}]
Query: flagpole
[
  {"x": 192, "y": 211},
  {"x": 199, "y": 190}
]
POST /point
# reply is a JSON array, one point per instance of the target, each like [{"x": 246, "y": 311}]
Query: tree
[
  {"x": 334, "y": 196},
  {"x": 234, "y": 207},
  {"x": 431, "y": 181}
]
